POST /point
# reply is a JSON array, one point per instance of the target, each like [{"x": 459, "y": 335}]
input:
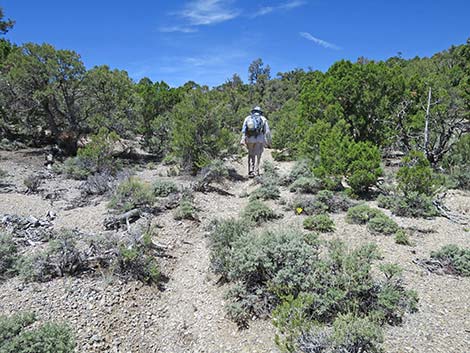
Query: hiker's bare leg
[
  {"x": 251, "y": 157},
  {"x": 258, "y": 152}
]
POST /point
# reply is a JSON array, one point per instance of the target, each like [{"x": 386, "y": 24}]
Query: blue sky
[{"x": 208, "y": 40}]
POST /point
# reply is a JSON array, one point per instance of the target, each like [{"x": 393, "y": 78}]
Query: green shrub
[
  {"x": 132, "y": 193},
  {"x": 257, "y": 212},
  {"x": 462, "y": 177},
  {"x": 356, "y": 334},
  {"x": 198, "y": 135},
  {"x": 16, "y": 336},
  {"x": 270, "y": 170},
  {"x": 416, "y": 175},
  {"x": 363, "y": 166},
  {"x": 402, "y": 238},
  {"x": 342, "y": 293},
  {"x": 386, "y": 201},
  {"x": 186, "y": 209},
  {"x": 62, "y": 257},
  {"x": 301, "y": 168},
  {"x": 362, "y": 214},
  {"x": 324, "y": 201},
  {"x": 163, "y": 188},
  {"x": 3, "y": 174},
  {"x": 267, "y": 191},
  {"x": 221, "y": 238},
  {"x": 95, "y": 157},
  {"x": 382, "y": 225},
  {"x": 8, "y": 256},
  {"x": 410, "y": 205},
  {"x": 307, "y": 185},
  {"x": 321, "y": 223},
  {"x": 453, "y": 259},
  {"x": 135, "y": 260}
]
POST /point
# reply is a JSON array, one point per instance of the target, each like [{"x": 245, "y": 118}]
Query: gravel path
[{"x": 188, "y": 314}]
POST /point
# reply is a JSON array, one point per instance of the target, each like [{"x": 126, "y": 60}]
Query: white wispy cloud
[
  {"x": 202, "y": 13},
  {"x": 319, "y": 41},
  {"x": 207, "y": 12},
  {"x": 182, "y": 29},
  {"x": 289, "y": 5}
]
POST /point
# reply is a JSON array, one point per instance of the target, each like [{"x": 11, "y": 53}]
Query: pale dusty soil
[{"x": 187, "y": 314}]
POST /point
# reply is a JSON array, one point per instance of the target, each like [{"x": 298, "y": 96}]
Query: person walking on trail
[{"x": 255, "y": 136}]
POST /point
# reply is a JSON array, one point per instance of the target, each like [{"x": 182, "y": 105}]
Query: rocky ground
[{"x": 186, "y": 314}]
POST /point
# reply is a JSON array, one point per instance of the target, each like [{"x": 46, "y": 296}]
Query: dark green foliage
[
  {"x": 307, "y": 185},
  {"x": 163, "y": 188},
  {"x": 364, "y": 166},
  {"x": 321, "y": 223},
  {"x": 95, "y": 157},
  {"x": 16, "y": 336},
  {"x": 132, "y": 193},
  {"x": 402, "y": 238},
  {"x": 257, "y": 212},
  {"x": 382, "y": 225},
  {"x": 8, "y": 256},
  {"x": 362, "y": 214},
  {"x": 416, "y": 175},
  {"x": 453, "y": 259},
  {"x": 199, "y": 135},
  {"x": 221, "y": 237},
  {"x": 456, "y": 162}
]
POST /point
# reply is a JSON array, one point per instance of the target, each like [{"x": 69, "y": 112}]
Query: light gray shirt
[{"x": 264, "y": 138}]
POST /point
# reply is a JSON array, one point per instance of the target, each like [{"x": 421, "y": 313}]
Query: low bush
[
  {"x": 321, "y": 223},
  {"x": 62, "y": 257},
  {"x": 3, "y": 174},
  {"x": 402, "y": 238},
  {"x": 411, "y": 205},
  {"x": 131, "y": 258},
  {"x": 356, "y": 334},
  {"x": 8, "y": 256},
  {"x": 257, "y": 212},
  {"x": 363, "y": 166},
  {"x": 454, "y": 260},
  {"x": 17, "y": 336},
  {"x": 267, "y": 191},
  {"x": 32, "y": 183},
  {"x": 462, "y": 177},
  {"x": 136, "y": 260},
  {"x": 221, "y": 237},
  {"x": 186, "y": 208},
  {"x": 98, "y": 184},
  {"x": 163, "y": 188},
  {"x": 132, "y": 193},
  {"x": 382, "y": 225},
  {"x": 362, "y": 214},
  {"x": 346, "y": 296},
  {"x": 324, "y": 201},
  {"x": 301, "y": 169},
  {"x": 95, "y": 157},
  {"x": 416, "y": 175},
  {"x": 307, "y": 185}
]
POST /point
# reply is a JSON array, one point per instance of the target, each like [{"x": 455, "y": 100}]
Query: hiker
[{"x": 255, "y": 136}]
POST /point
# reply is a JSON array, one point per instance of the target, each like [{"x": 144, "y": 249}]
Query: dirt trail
[{"x": 188, "y": 315}]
